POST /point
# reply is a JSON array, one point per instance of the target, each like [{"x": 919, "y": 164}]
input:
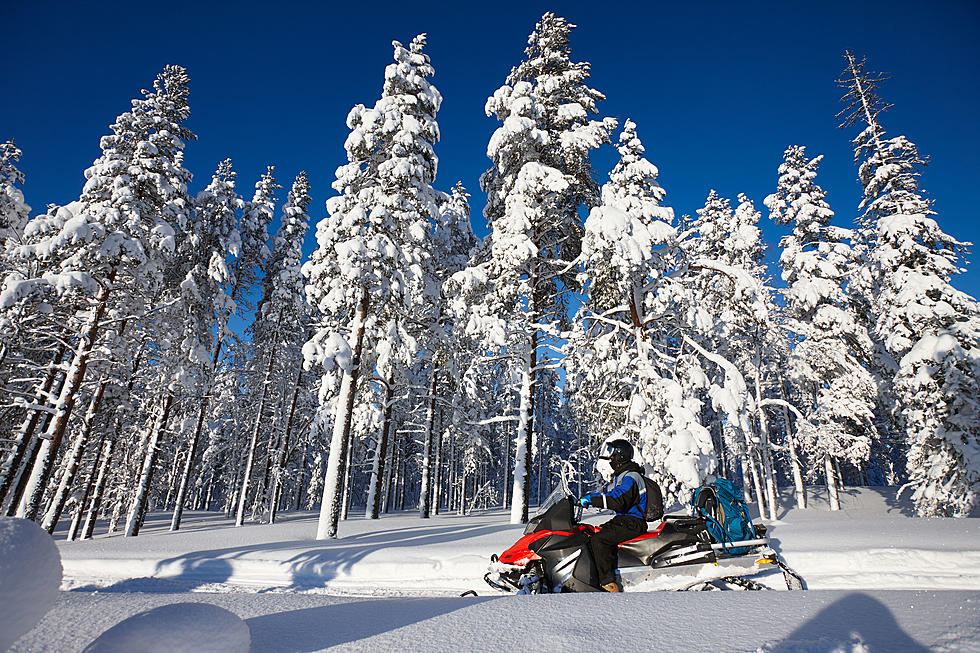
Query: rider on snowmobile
[{"x": 627, "y": 496}]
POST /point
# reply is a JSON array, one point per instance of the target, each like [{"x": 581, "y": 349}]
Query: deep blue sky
[{"x": 718, "y": 89}]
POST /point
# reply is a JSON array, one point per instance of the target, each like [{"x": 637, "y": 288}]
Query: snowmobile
[{"x": 677, "y": 554}]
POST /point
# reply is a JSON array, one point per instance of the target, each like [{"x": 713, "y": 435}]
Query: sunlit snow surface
[{"x": 879, "y": 581}]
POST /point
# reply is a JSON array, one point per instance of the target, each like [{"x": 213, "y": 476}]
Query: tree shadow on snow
[
  {"x": 315, "y": 563},
  {"x": 856, "y": 622},
  {"x": 313, "y": 629},
  {"x": 195, "y": 574}
]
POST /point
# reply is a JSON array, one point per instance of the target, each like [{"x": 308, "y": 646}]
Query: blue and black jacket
[{"x": 626, "y": 494}]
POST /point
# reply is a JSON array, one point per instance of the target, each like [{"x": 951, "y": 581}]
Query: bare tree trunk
[
  {"x": 832, "y": 491},
  {"x": 137, "y": 511},
  {"x": 73, "y": 458},
  {"x": 302, "y": 470},
  {"x": 55, "y": 432},
  {"x": 746, "y": 478},
  {"x": 253, "y": 444},
  {"x": 794, "y": 459},
  {"x": 99, "y": 489},
  {"x": 505, "y": 434},
  {"x": 425, "y": 500},
  {"x": 757, "y": 483},
  {"x": 764, "y": 448},
  {"x": 348, "y": 483},
  {"x": 284, "y": 452},
  {"x": 90, "y": 479},
  {"x": 340, "y": 442},
  {"x": 522, "y": 452},
  {"x": 24, "y": 434},
  {"x": 185, "y": 477},
  {"x": 373, "y": 509},
  {"x": 437, "y": 487}
]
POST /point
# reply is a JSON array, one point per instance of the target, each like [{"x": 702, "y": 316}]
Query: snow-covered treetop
[
  {"x": 282, "y": 307},
  {"x": 911, "y": 259},
  {"x": 376, "y": 237},
  {"x": 453, "y": 238},
  {"x": 625, "y": 235},
  {"x": 134, "y": 197},
  {"x": 14, "y": 212},
  {"x": 814, "y": 260},
  {"x": 254, "y": 230}
]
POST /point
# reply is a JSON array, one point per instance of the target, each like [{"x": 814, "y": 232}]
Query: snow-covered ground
[{"x": 879, "y": 581}]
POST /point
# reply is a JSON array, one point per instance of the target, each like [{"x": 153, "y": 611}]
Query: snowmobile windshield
[
  {"x": 557, "y": 515},
  {"x": 556, "y": 495}
]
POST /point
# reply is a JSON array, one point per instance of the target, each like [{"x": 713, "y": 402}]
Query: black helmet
[{"x": 617, "y": 452}]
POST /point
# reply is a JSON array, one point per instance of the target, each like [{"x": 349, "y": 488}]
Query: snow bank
[
  {"x": 679, "y": 622},
  {"x": 176, "y": 628},
  {"x": 30, "y": 574}
]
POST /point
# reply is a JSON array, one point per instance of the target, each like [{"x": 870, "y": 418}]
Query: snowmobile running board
[{"x": 728, "y": 545}]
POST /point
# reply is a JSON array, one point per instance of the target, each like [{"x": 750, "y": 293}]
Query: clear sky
[{"x": 718, "y": 89}]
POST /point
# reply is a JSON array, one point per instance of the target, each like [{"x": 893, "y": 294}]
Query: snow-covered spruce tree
[
  {"x": 110, "y": 254},
  {"x": 620, "y": 377},
  {"x": 371, "y": 261},
  {"x": 832, "y": 350},
  {"x": 928, "y": 329},
  {"x": 278, "y": 331},
  {"x": 517, "y": 289}
]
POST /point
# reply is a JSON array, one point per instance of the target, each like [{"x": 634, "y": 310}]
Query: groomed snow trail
[
  {"x": 870, "y": 544},
  {"x": 879, "y": 580}
]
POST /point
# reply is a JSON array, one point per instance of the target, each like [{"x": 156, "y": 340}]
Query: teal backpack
[{"x": 722, "y": 505}]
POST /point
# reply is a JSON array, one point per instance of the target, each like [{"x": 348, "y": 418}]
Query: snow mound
[
  {"x": 30, "y": 575},
  {"x": 176, "y": 628}
]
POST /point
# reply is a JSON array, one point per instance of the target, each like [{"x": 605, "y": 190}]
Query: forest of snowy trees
[{"x": 407, "y": 364}]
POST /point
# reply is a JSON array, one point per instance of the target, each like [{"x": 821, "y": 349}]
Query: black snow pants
[{"x": 604, "y": 543}]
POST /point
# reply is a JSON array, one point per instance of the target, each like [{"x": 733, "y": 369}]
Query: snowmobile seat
[{"x": 670, "y": 535}]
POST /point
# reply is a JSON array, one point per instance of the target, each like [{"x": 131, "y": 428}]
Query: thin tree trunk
[
  {"x": 281, "y": 467},
  {"x": 90, "y": 482},
  {"x": 437, "y": 488},
  {"x": 185, "y": 477},
  {"x": 74, "y": 458},
  {"x": 302, "y": 470},
  {"x": 55, "y": 432},
  {"x": 99, "y": 490},
  {"x": 137, "y": 511},
  {"x": 832, "y": 491},
  {"x": 24, "y": 434},
  {"x": 373, "y": 509},
  {"x": 522, "y": 450},
  {"x": 253, "y": 443},
  {"x": 425, "y": 500},
  {"x": 746, "y": 478},
  {"x": 339, "y": 443},
  {"x": 764, "y": 449},
  {"x": 348, "y": 483},
  {"x": 757, "y": 483}
]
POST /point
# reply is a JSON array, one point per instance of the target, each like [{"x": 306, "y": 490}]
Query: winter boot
[{"x": 612, "y": 587}]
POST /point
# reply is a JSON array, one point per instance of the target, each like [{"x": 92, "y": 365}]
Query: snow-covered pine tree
[
  {"x": 279, "y": 329},
  {"x": 929, "y": 330},
  {"x": 110, "y": 254},
  {"x": 187, "y": 334},
  {"x": 371, "y": 260},
  {"x": 213, "y": 239},
  {"x": 832, "y": 350},
  {"x": 517, "y": 290}
]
